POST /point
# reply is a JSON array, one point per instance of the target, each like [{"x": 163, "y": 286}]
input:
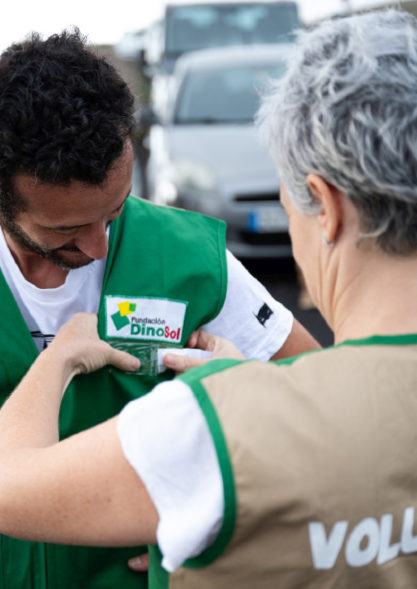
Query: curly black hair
[{"x": 65, "y": 114}]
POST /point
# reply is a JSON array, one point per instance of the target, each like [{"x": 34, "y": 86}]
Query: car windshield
[
  {"x": 227, "y": 95},
  {"x": 191, "y": 28}
]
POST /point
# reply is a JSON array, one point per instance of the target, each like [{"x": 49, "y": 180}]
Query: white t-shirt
[{"x": 45, "y": 310}]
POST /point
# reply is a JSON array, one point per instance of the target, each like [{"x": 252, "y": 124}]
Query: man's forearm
[{"x": 298, "y": 342}]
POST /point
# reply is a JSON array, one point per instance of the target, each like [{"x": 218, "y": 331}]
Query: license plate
[{"x": 268, "y": 220}]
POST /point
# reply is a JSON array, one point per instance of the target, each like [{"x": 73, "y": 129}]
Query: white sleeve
[
  {"x": 166, "y": 439},
  {"x": 250, "y": 318}
]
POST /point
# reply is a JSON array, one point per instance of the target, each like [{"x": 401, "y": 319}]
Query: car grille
[
  {"x": 265, "y": 238},
  {"x": 268, "y": 197}
]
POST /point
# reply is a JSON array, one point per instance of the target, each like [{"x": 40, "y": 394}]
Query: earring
[{"x": 326, "y": 243}]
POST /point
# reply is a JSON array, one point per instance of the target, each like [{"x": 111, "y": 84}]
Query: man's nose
[{"x": 92, "y": 240}]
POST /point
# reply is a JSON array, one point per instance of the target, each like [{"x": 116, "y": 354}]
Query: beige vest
[{"x": 324, "y": 458}]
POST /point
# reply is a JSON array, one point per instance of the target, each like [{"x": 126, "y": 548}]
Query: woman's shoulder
[{"x": 343, "y": 373}]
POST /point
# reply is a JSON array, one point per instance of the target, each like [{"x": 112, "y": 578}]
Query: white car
[{"x": 205, "y": 155}]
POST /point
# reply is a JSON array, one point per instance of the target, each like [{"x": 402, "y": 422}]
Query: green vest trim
[
  {"x": 152, "y": 253},
  {"x": 159, "y": 577},
  {"x": 226, "y": 532},
  {"x": 406, "y": 339}
]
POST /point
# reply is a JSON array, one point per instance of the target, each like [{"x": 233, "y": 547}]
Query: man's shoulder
[{"x": 164, "y": 213}]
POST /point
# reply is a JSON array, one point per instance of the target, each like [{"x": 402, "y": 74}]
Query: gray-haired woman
[{"x": 301, "y": 473}]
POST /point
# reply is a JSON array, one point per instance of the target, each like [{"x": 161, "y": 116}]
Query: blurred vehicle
[
  {"x": 154, "y": 45},
  {"x": 131, "y": 47},
  {"x": 193, "y": 27},
  {"x": 204, "y": 152}
]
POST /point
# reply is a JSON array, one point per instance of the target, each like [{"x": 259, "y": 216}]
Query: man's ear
[{"x": 327, "y": 196}]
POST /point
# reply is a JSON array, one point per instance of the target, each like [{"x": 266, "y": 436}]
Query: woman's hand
[
  {"x": 78, "y": 343},
  {"x": 218, "y": 346}
]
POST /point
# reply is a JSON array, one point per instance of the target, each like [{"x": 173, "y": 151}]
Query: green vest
[{"x": 155, "y": 252}]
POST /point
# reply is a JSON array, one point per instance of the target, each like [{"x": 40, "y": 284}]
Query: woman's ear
[{"x": 327, "y": 196}]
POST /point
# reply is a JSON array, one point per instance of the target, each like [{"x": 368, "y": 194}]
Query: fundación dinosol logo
[{"x": 145, "y": 318}]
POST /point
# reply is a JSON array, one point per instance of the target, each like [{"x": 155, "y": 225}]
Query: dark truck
[{"x": 192, "y": 27}]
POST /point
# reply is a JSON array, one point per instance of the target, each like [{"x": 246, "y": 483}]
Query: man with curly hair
[{"x": 73, "y": 240}]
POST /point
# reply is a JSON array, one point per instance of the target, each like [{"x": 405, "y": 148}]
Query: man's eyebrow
[{"x": 65, "y": 227}]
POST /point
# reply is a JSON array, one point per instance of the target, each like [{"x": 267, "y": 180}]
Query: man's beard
[{"x": 52, "y": 255}]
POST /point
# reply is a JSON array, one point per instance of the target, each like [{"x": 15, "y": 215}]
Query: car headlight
[{"x": 186, "y": 173}]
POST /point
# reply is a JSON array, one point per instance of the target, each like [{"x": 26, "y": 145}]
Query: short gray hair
[{"x": 347, "y": 110}]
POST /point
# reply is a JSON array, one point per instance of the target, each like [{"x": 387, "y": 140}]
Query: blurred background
[{"x": 197, "y": 70}]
